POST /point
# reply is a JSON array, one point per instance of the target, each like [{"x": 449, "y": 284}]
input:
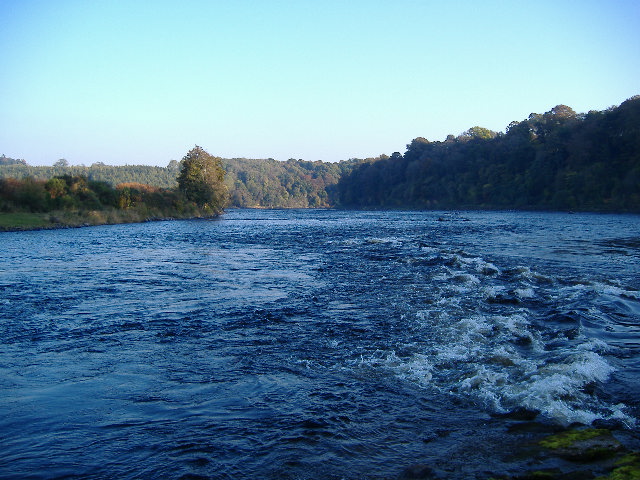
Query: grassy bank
[
  {"x": 18, "y": 221},
  {"x": 24, "y": 221}
]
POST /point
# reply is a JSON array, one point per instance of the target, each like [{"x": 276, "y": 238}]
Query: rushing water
[{"x": 312, "y": 344}]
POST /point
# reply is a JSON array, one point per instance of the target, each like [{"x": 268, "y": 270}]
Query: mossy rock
[
  {"x": 632, "y": 458},
  {"x": 583, "y": 445},
  {"x": 627, "y": 468},
  {"x": 630, "y": 472}
]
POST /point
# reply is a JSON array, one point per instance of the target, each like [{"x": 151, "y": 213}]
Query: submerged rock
[
  {"x": 583, "y": 445},
  {"x": 626, "y": 468},
  {"x": 521, "y": 413},
  {"x": 575, "y": 454}
]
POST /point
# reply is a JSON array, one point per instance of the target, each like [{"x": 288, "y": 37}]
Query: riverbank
[
  {"x": 68, "y": 201},
  {"x": 24, "y": 221}
]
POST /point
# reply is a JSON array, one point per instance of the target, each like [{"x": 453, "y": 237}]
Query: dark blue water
[{"x": 313, "y": 344}]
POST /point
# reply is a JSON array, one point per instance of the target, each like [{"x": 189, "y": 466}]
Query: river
[{"x": 313, "y": 344}]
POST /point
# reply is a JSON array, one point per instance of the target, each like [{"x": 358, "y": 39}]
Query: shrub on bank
[{"x": 74, "y": 200}]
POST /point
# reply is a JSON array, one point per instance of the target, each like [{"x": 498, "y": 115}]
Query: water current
[{"x": 313, "y": 344}]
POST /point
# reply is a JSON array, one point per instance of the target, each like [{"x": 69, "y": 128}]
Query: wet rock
[
  {"x": 521, "y": 414},
  {"x": 609, "y": 424},
  {"x": 529, "y": 428},
  {"x": 583, "y": 445},
  {"x": 625, "y": 468},
  {"x": 552, "y": 474},
  {"x": 576, "y": 453},
  {"x": 623, "y": 473},
  {"x": 555, "y": 474}
]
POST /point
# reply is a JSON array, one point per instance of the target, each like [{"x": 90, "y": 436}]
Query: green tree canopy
[
  {"x": 557, "y": 160},
  {"x": 478, "y": 133},
  {"x": 201, "y": 180}
]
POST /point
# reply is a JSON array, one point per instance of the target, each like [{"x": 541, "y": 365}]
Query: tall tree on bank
[{"x": 201, "y": 180}]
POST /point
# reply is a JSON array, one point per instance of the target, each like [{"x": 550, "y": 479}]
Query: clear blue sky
[{"x": 142, "y": 82}]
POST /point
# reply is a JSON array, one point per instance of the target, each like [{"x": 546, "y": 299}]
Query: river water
[{"x": 312, "y": 344}]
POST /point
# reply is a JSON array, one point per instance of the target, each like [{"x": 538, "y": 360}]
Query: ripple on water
[{"x": 310, "y": 344}]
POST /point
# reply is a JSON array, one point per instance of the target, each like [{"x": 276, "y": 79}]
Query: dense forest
[
  {"x": 556, "y": 160},
  {"x": 264, "y": 183},
  {"x": 290, "y": 184}
]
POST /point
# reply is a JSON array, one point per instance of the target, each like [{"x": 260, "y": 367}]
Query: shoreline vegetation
[
  {"x": 556, "y": 161},
  {"x": 64, "y": 202},
  {"x": 26, "y": 221},
  {"x": 74, "y": 201}
]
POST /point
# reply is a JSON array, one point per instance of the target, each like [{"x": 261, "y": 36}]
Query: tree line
[
  {"x": 556, "y": 160},
  {"x": 291, "y": 184},
  {"x": 162, "y": 177},
  {"x": 262, "y": 183}
]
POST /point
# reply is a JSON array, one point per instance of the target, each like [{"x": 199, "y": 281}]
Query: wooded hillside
[
  {"x": 250, "y": 182},
  {"x": 556, "y": 160}
]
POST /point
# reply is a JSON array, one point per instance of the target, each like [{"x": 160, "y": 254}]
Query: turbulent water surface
[{"x": 312, "y": 344}]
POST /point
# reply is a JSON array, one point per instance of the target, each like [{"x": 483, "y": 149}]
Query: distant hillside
[
  {"x": 557, "y": 160},
  {"x": 290, "y": 184}
]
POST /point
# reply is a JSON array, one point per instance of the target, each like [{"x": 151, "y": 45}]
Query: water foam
[
  {"x": 510, "y": 359},
  {"x": 557, "y": 390},
  {"x": 523, "y": 293}
]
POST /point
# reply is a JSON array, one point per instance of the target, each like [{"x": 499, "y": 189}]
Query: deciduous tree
[{"x": 201, "y": 180}]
